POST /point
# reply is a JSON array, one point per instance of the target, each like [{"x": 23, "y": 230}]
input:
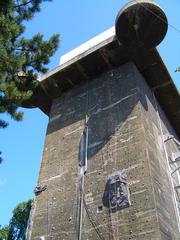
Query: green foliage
[
  {"x": 177, "y": 69},
  {"x": 21, "y": 59},
  {"x": 1, "y": 157},
  {"x": 4, "y": 232},
  {"x": 16, "y": 229},
  {"x": 19, "y": 221}
]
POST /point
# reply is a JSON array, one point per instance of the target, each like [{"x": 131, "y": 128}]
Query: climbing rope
[
  {"x": 83, "y": 169},
  {"x": 95, "y": 226}
]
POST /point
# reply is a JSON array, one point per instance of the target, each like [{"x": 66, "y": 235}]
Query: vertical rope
[
  {"x": 113, "y": 229},
  {"x": 87, "y": 104},
  {"x": 83, "y": 168},
  {"x": 81, "y": 207},
  {"x": 48, "y": 202},
  {"x": 115, "y": 159}
]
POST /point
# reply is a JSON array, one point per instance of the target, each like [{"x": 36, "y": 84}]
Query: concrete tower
[{"x": 110, "y": 162}]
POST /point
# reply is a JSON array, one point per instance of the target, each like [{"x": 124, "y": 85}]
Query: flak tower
[{"x": 111, "y": 156}]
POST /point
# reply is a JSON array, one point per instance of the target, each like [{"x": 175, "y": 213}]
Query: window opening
[{"x": 99, "y": 209}]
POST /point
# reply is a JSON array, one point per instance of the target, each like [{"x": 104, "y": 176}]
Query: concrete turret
[{"x": 141, "y": 23}]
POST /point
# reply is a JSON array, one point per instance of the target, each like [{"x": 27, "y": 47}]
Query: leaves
[
  {"x": 1, "y": 158},
  {"x": 19, "y": 221},
  {"x": 4, "y": 232},
  {"x": 21, "y": 59},
  {"x": 177, "y": 69},
  {"x": 16, "y": 230}
]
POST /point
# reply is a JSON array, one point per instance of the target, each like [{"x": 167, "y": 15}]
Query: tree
[
  {"x": 21, "y": 59},
  {"x": 0, "y": 158},
  {"x": 16, "y": 229},
  {"x": 19, "y": 221},
  {"x": 4, "y": 232}
]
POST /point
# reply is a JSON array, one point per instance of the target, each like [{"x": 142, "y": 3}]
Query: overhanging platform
[{"x": 103, "y": 55}]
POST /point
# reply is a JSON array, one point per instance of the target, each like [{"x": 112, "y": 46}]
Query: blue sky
[{"x": 76, "y": 21}]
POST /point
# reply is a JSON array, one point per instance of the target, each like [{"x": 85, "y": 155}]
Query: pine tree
[
  {"x": 177, "y": 69},
  {"x": 21, "y": 59}
]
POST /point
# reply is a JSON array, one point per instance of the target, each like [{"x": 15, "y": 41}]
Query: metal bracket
[
  {"x": 178, "y": 168},
  {"x": 177, "y": 188},
  {"x": 168, "y": 137},
  {"x": 175, "y": 157}
]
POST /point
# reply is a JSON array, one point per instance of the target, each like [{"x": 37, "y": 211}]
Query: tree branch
[{"x": 23, "y": 4}]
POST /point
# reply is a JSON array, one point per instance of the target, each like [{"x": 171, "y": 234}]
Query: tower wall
[
  {"x": 126, "y": 127},
  {"x": 159, "y": 153}
]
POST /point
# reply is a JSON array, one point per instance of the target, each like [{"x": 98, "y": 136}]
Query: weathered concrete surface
[
  {"x": 124, "y": 134},
  {"x": 156, "y": 126}
]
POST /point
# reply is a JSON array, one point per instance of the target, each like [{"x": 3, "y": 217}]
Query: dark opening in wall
[{"x": 99, "y": 209}]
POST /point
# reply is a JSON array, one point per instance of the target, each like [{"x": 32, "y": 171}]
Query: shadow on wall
[{"x": 108, "y": 100}]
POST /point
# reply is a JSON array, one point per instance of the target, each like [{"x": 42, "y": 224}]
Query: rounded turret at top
[{"x": 141, "y": 23}]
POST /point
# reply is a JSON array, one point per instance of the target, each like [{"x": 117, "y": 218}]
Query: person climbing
[{"x": 40, "y": 188}]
